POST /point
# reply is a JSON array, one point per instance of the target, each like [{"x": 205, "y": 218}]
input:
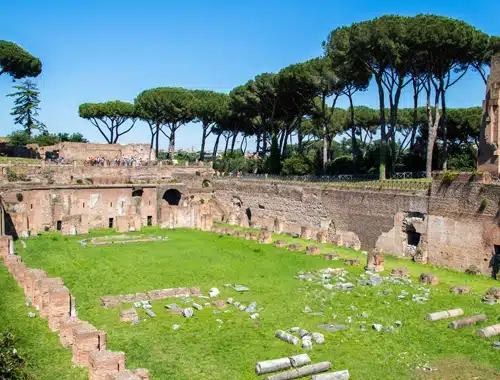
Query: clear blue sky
[{"x": 96, "y": 51}]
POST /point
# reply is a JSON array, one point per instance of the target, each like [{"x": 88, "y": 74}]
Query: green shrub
[
  {"x": 483, "y": 205},
  {"x": 79, "y": 181},
  {"x": 296, "y": 165},
  {"x": 12, "y": 365},
  {"x": 341, "y": 165},
  {"x": 450, "y": 176},
  {"x": 230, "y": 162}
]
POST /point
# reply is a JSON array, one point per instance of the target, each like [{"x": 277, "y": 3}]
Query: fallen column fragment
[
  {"x": 297, "y": 373},
  {"x": 289, "y": 338},
  {"x": 444, "y": 314},
  {"x": 339, "y": 375},
  {"x": 469, "y": 321},
  {"x": 274, "y": 365},
  {"x": 489, "y": 331},
  {"x": 299, "y": 360}
]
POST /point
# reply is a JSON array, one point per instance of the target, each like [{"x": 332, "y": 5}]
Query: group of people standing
[{"x": 102, "y": 161}]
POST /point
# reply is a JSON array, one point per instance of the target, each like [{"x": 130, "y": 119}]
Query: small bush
[
  {"x": 483, "y": 205},
  {"x": 473, "y": 270},
  {"x": 296, "y": 165},
  {"x": 79, "y": 181},
  {"x": 450, "y": 176},
  {"x": 19, "y": 197},
  {"x": 12, "y": 365}
]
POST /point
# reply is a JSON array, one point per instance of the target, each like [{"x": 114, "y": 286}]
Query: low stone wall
[
  {"x": 106, "y": 175},
  {"x": 160, "y": 294},
  {"x": 55, "y": 303}
]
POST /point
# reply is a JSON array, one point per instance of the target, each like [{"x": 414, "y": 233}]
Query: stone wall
[
  {"x": 74, "y": 209},
  {"x": 80, "y": 174},
  {"x": 362, "y": 215},
  {"x": 454, "y": 225},
  {"x": 82, "y": 151}
]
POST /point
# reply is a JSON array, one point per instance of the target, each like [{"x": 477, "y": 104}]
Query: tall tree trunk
[
  {"x": 227, "y": 143},
  {"x": 432, "y": 127},
  {"x": 216, "y": 146},
  {"x": 203, "y": 140},
  {"x": 157, "y": 148},
  {"x": 325, "y": 133},
  {"x": 234, "y": 141},
  {"x": 394, "y": 122},
  {"x": 415, "y": 114},
  {"x": 444, "y": 126},
  {"x": 171, "y": 149},
  {"x": 383, "y": 135},
  {"x": 257, "y": 148},
  {"x": 354, "y": 143},
  {"x": 285, "y": 143},
  {"x": 264, "y": 143},
  {"x": 300, "y": 137},
  {"x": 242, "y": 142},
  {"x": 282, "y": 139}
]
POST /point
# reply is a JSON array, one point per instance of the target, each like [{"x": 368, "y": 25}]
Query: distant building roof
[{"x": 3, "y": 140}]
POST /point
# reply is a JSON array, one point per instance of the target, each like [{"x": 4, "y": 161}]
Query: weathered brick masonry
[{"x": 455, "y": 224}]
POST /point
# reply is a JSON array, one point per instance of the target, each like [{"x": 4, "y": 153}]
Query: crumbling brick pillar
[
  {"x": 231, "y": 219},
  {"x": 59, "y": 307},
  {"x": 5, "y": 242},
  {"x": 123, "y": 375},
  {"x": 142, "y": 373},
  {"x": 375, "y": 262},
  {"x": 86, "y": 339},
  {"x": 10, "y": 261},
  {"x": 18, "y": 271},
  {"x": 207, "y": 221},
  {"x": 41, "y": 298},
  {"x": 322, "y": 236},
  {"x": 66, "y": 331},
  {"x": 137, "y": 222},
  {"x": 122, "y": 224},
  {"x": 31, "y": 281},
  {"x": 305, "y": 233},
  {"x": 103, "y": 363}
]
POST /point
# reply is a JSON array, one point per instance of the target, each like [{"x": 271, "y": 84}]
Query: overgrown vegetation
[
  {"x": 12, "y": 364},
  {"x": 13, "y": 176}
]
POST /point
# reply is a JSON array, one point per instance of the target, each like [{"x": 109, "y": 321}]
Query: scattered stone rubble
[
  {"x": 114, "y": 301},
  {"x": 492, "y": 296},
  {"x": 120, "y": 239}
]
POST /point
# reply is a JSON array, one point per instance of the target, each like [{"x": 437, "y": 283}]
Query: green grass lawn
[
  {"x": 18, "y": 160},
  {"x": 204, "y": 349}
]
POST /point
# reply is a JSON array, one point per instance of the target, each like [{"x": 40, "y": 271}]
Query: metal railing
[{"x": 326, "y": 178}]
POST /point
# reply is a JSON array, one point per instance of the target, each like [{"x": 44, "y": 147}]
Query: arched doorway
[{"x": 172, "y": 196}]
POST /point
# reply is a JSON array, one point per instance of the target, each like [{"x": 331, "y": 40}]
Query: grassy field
[
  {"x": 18, "y": 160},
  {"x": 203, "y": 348}
]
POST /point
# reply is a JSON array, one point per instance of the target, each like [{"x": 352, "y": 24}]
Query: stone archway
[{"x": 172, "y": 197}]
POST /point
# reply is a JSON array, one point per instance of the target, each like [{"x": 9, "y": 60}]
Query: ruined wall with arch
[{"x": 448, "y": 225}]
